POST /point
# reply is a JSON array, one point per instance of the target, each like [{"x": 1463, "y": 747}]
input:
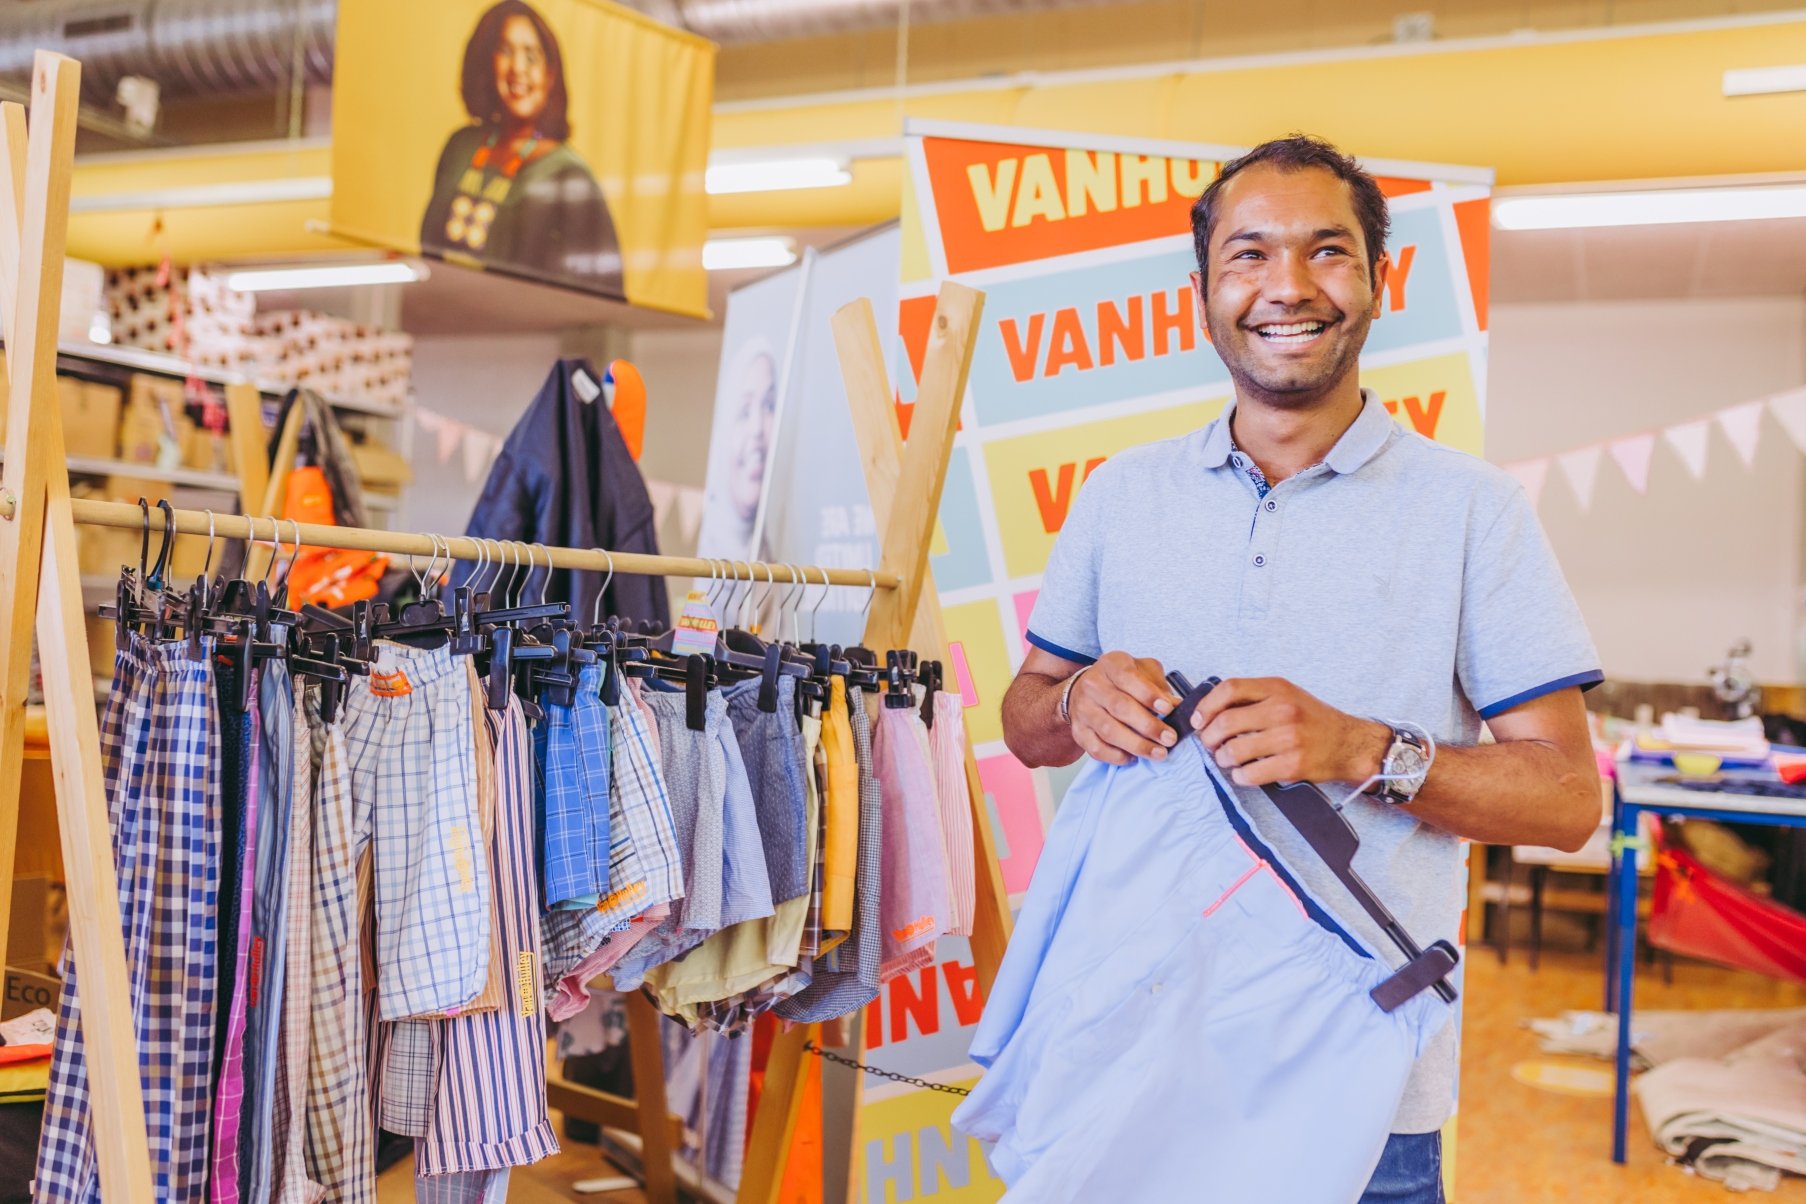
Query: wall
[{"x": 1663, "y": 608}]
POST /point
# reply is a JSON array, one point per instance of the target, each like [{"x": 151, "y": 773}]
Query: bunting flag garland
[
  {"x": 1789, "y": 410},
  {"x": 1530, "y": 474},
  {"x": 1582, "y": 470},
  {"x": 1633, "y": 456},
  {"x": 1742, "y": 425},
  {"x": 1690, "y": 440}
]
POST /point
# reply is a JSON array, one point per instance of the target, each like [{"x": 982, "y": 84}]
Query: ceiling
[{"x": 1628, "y": 263}]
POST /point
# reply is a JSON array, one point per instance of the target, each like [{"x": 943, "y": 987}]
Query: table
[{"x": 1637, "y": 792}]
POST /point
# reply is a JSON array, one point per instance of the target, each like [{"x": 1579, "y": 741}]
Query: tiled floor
[{"x": 1517, "y": 1143}]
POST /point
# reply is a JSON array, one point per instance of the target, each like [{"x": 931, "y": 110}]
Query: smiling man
[{"x": 1358, "y": 586}]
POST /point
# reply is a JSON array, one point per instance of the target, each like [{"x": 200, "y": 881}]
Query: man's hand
[
  {"x": 1265, "y": 730},
  {"x": 1118, "y": 709}
]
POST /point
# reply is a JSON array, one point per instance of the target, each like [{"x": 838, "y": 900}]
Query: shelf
[
  {"x": 140, "y": 360},
  {"x": 221, "y": 482}
]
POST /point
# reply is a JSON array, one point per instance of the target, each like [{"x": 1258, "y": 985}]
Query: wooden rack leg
[
  {"x": 904, "y": 482},
  {"x": 40, "y": 587},
  {"x": 647, "y": 1050}
]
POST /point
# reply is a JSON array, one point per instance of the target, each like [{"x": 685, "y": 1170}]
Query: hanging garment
[
  {"x": 495, "y": 987},
  {"x": 914, "y": 907},
  {"x": 159, "y": 738},
  {"x": 725, "y": 879},
  {"x": 287, "y": 1143},
  {"x": 842, "y": 811},
  {"x": 245, "y": 799},
  {"x": 1165, "y": 966},
  {"x": 640, "y": 810},
  {"x": 948, "y": 741},
  {"x": 849, "y": 980},
  {"x": 565, "y": 477},
  {"x": 341, "y": 1131},
  {"x": 571, "y": 755},
  {"x": 810, "y": 944},
  {"x": 413, "y": 772},
  {"x": 268, "y": 970},
  {"x": 570, "y": 991},
  {"x": 489, "y": 1104}
]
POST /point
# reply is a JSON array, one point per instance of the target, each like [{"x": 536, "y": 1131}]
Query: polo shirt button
[
  {"x": 1272, "y": 506},
  {"x": 1259, "y": 561}
]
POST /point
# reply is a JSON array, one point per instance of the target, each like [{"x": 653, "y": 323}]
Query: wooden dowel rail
[{"x": 127, "y": 516}]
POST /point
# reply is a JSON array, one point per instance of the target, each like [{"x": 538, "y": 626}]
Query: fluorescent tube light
[
  {"x": 338, "y": 275},
  {"x": 1764, "y": 81},
  {"x": 728, "y": 254},
  {"x": 1578, "y": 210},
  {"x": 775, "y": 175}
]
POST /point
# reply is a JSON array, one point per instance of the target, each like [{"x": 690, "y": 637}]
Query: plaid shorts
[
  {"x": 289, "y": 1183},
  {"x": 571, "y": 749},
  {"x": 159, "y": 743},
  {"x": 413, "y": 771}
]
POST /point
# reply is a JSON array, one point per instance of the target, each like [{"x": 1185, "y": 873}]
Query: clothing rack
[{"x": 40, "y": 589}]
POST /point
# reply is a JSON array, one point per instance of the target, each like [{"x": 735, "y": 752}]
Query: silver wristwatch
[{"x": 1404, "y": 768}]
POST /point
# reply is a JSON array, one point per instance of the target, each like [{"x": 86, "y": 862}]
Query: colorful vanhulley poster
[
  {"x": 1089, "y": 345},
  {"x": 561, "y": 141}
]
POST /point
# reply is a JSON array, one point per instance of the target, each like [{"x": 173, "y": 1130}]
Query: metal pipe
[{"x": 127, "y": 516}]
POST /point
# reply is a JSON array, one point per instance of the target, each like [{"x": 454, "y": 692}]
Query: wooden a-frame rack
[{"x": 40, "y": 590}]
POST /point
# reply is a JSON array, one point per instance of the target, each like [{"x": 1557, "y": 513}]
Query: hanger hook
[
  {"x": 294, "y": 555},
  {"x": 827, "y": 587},
  {"x": 208, "y": 564},
  {"x": 520, "y": 587},
  {"x": 871, "y": 593},
  {"x": 144, "y": 542},
  {"x": 771, "y": 584},
  {"x": 546, "y": 583},
  {"x": 595, "y": 613},
  {"x": 169, "y": 539},
  {"x": 714, "y": 582}
]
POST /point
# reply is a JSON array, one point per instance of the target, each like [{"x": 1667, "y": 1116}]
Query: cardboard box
[
  {"x": 153, "y": 413},
  {"x": 90, "y": 417},
  {"x": 27, "y": 991}
]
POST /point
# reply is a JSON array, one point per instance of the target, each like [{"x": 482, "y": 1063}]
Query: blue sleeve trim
[
  {"x": 1585, "y": 681},
  {"x": 1063, "y": 653}
]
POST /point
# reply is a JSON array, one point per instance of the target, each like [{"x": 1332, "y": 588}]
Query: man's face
[
  {"x": 1290, "y": 293},
  {"x": 753, "y": 415}
]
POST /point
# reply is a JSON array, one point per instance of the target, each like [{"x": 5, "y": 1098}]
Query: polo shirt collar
[{"x": 1362, "y": 441}]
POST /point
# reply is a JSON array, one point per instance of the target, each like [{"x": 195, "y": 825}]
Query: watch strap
[{"x": 1400, "y": 794}]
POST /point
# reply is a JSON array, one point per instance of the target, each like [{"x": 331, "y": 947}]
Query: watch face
[{"x": 1405, "y": 762}]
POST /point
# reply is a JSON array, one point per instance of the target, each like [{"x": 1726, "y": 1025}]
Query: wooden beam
[
  {"x": 250, "y": 446},
  {"x": 774, "y": 1125},
  {"x": 659, "y": 1131},
  {"x": 38, "y": 558}
]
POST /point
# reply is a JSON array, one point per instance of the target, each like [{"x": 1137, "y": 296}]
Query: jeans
[{"x": 1410, "y": 1171}]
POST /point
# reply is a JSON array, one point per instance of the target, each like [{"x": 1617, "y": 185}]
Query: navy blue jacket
[{"x": 566, "y": 478}]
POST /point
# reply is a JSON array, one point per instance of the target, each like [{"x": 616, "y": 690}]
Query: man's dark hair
[
  {"x": 1296, "y": 153},
  {"x": 478, "y": 82}
]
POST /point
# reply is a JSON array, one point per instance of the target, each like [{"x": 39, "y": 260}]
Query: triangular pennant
[
  {"x": 664, "y": 496},
  {"x": 479, "y": 446},
  {"x": 1633, "y": 456},
  {"x": 1582, "y": 470},
  {"x": 1530, "y": 474},
  {"x": 1742, "y": 425},
  {"x": 428, "y": 420},
  {"x": 451, "y": 432},
  {"x": 1789, "y": 410},
  {"x": 1688, "y": 439}
]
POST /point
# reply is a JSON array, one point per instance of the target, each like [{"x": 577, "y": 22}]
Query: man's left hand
[{"x": 1265, "y": 730}]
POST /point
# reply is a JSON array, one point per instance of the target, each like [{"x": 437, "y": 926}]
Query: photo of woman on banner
[
  {"x": 741, "y": 452},
  {"x": 509, "y": 193}
]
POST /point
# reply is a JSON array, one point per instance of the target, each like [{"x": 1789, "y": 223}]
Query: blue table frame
[{"x": 1634, "y": 792}]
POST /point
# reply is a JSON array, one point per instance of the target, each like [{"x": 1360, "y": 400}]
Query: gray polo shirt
[{"x": 1399, "y": 579}]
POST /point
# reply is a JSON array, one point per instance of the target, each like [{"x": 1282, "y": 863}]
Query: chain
[{"x": 892, "y": 1075}]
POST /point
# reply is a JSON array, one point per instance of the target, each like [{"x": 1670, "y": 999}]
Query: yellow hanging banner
[{"x": 562, "y": 141}]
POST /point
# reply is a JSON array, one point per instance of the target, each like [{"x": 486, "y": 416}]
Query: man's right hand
[{"x": 1118, "y": 709}]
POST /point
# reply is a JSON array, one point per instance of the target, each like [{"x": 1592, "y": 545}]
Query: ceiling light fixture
[
  {"x": 338, "y": 275},
  {"x": 1764, "y": 81},
  {"x": 776, "y": 175},
  {"x": 1588, "y": 209},
  {"x": 730, "y": 254}
]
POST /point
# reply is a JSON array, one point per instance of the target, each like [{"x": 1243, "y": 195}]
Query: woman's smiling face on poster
[{"x": 522, "y": 78}]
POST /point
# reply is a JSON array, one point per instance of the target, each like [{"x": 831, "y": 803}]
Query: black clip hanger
[
  {"x": 696, "y": 693},
  {"x": 1335, "y": 840},
  {"x": 899, "y": 675},
  {"x": 931, "y": 680}
]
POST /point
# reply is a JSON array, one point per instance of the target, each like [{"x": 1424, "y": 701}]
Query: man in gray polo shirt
[{"x": 1356, "y": 586}]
